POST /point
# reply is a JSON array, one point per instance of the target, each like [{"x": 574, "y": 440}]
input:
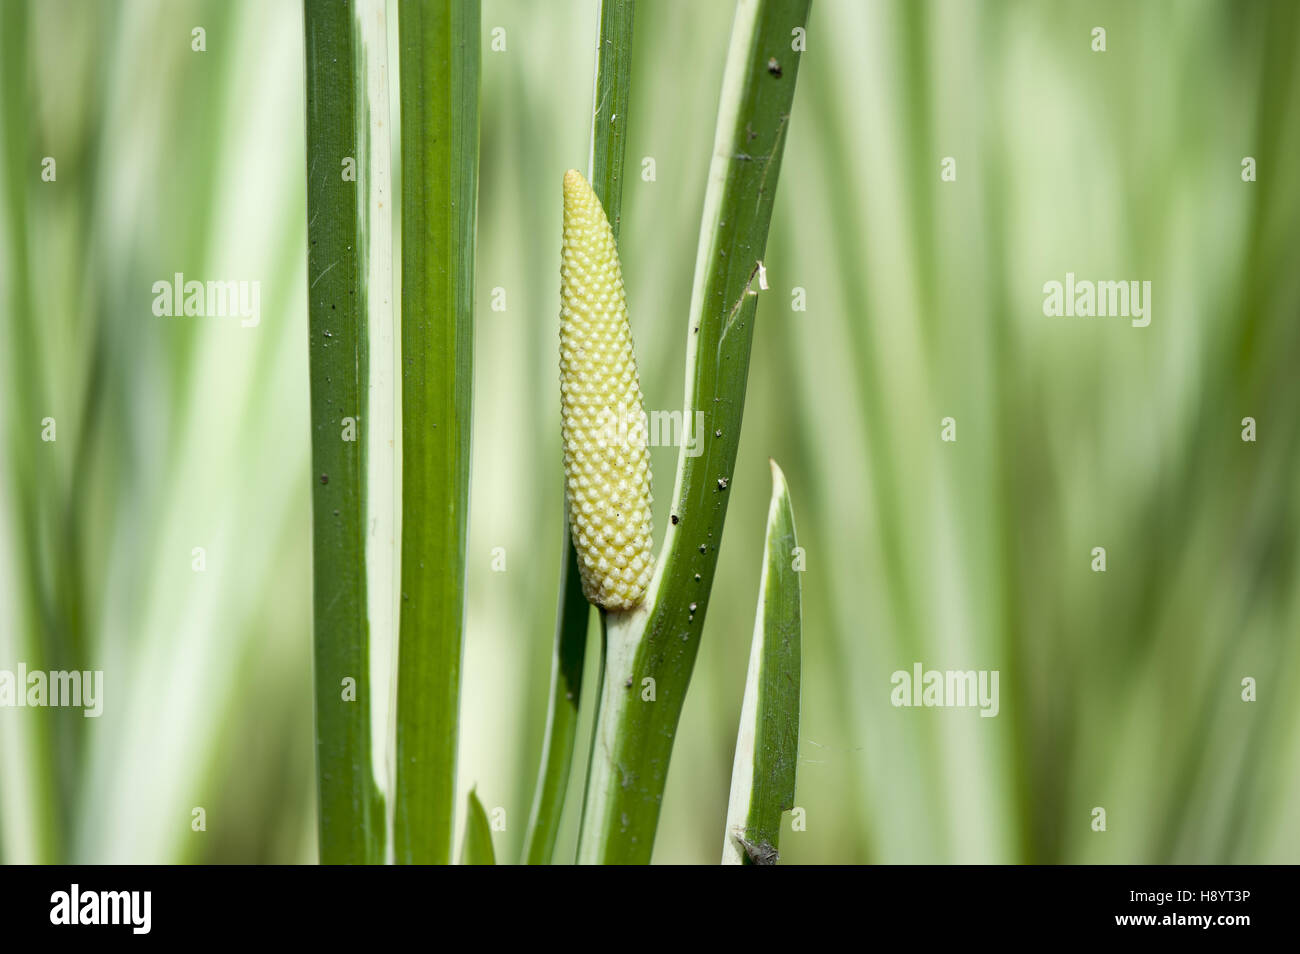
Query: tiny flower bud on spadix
[{"x": 606, "y": 460}]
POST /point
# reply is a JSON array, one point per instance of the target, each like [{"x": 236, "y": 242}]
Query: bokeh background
[{"x": 924, "y": 300}]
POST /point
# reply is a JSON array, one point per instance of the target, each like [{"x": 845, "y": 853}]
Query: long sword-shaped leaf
[
  {"x": 659, "y": 640},
  {"x": 351, "y": 827},
  {"x": 476, "y": 848},
  {"x": 560, "y": 740},
  {"x": 40, "y": 777},
  {"x": 613, "y": 89},
  {"x": 611, "y": 96},
  {"x": 439, "y": 43},
  {"x": 767, "y": 745}
]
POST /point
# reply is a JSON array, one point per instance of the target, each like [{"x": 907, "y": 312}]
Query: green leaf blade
[
  {"x": 350, "y": 808},
  {"x": 439, "y": 63},
  {"x": 476, "y": 847},
  {"x": 612, "y": 96},
  {"x": 767, "y": 744},
  {"x": 560, "y": 740}
]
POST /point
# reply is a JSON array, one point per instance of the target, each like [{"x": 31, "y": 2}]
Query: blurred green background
[{"x": 1119, "y": 690}]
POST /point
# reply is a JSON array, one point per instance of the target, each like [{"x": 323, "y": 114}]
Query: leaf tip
[{"x": 778, "y": 477}]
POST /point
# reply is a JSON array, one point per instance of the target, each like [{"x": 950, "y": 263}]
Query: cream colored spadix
[{"x": 606, "y": 460}]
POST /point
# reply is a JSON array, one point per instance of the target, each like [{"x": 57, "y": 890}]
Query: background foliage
[{"x": 924, "y": 299}]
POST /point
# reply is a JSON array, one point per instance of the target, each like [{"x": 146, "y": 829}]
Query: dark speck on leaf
[
  {"x": 324, "y": 478},
  {"x": 774, "y": 66},
  {"x": 697, "y": 578},
  {"x": 722, "y": 483},
  {"x": 628, "y": 684},
  {"x": 692, "y": 607},
  {"x": 761, "y": 853},
  {"x": 703, "y": 548},
  {"x": 675, "y": 519}
]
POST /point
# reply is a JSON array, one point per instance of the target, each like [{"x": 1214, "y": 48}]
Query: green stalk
[
  {"x": 351, "y": 826},
  {"x": 612, "y": 93},
  {"x": 767, "y": 744},
  {"x": 659, "y": 640},
  {"x": 439, "y": 44}
]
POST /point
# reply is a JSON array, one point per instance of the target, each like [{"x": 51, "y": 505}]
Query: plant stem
[
  {"x": 611, "y": 94},
  {"x": 351, "y": 829},
  {"x": 659, "y": 640},
  {"x": 439, "y": 42}
]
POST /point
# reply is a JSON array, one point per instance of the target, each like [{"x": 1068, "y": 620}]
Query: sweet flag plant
[{"x": 407, "y": 592}]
